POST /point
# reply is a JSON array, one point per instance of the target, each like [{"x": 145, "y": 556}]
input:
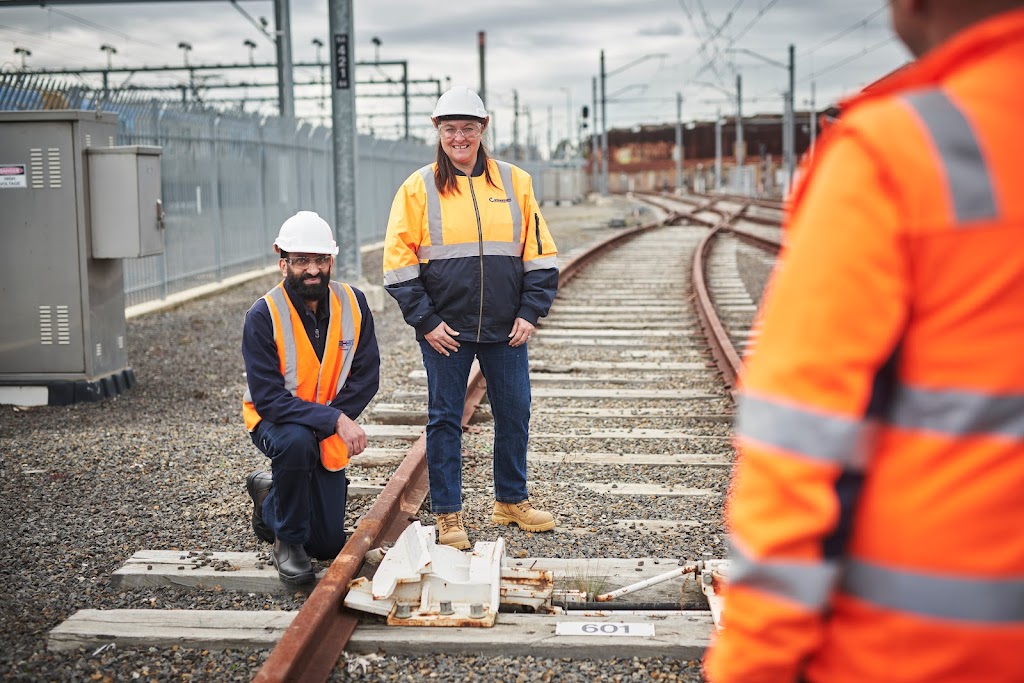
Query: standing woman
[{"x": 472, "y": 265}]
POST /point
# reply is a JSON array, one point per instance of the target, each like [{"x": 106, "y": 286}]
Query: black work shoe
[
  {"x": 292, "y": 562},
  {"x": 258, "y": 485}
]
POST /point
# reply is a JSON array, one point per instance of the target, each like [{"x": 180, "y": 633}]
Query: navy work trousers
[
  {"x": 507, "y": 372},
  {"x": 306, "y": 505}
]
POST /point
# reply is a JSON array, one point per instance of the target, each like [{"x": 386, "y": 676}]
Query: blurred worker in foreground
[
  {"x": 470, "y": 261},
  {"x": 877, "y": 519},
  {"x": 312, "y": 366}
]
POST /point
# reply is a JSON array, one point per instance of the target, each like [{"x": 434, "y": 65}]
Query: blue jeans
[
  {"x": 507, "y": 372},
  {"x": 306, "y": 504}
]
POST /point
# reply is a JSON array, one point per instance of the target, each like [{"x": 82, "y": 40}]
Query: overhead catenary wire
[
  {"x": 846, "y": 60},
  {"x": 92, "y": 24},
  {"x": 849, "y": 29}
]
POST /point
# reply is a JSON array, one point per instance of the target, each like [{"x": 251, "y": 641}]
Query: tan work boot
[
  {"x": 524, "y": 514},
  {"x": 451, "y": 531}
]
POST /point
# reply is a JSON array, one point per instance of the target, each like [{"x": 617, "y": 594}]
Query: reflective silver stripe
[
  {"x": 540, "y": 263},
  {"x": 505, "y": 171},
  {"x": 286, "y": 335},
  {"x": 813, "y": 434},
  {"x": 943, "y": 597},
  {"x": 966, "y": 172},
  {"x": 433, "y": 204},
  {"x": 958, "y": 412},
  {"x": 393, "y": 277},
  {"x": 348, "y": 331},
  {"x": 808, "y": 583},
  {"x": 449, "y": 251}
]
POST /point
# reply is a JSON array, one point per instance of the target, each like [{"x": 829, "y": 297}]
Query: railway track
[{"x": 629, "y": 447}]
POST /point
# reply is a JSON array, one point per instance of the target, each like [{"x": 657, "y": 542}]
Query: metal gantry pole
[
  {"x": 604, "y": 132},
  {"x": 740, "y": 151},
  {"x": 679, "y": 143},
  {"x": 718, "y": 151},
  {"x": 595, "y": 141},
  {"x": 343, "y": 117},
  {"x": 515, "y": 125},
  {"x": 791, "y": 159},
  {"x": 285, "y": 85},
  {"x": 405, "y": 96},
  {"x": 814, "y": 119},
  {"x": 481, "y": 38}
]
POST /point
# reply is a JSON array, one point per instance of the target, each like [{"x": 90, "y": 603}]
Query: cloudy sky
[{"x": 545, "y": 51}]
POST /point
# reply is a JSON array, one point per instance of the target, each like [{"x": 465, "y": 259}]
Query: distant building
[{"x": 642, "y": 159}]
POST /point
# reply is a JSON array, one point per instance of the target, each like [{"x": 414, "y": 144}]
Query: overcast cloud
[{"x": 546, "y": 51}]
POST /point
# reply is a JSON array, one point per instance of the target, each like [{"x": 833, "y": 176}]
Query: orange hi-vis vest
[
  {"x": 305, "y": 376},
  {"x": 877, "y": 514}
]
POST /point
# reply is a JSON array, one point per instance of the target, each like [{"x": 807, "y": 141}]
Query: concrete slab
[
  {"x": 638, "y": 414},
  {"x": 650, "y": 459},
  {"x": 637, "y": 433},
  {"x": 420, "y": 377},
  {"x": 685, "y": 635},
  {"x": 656, "y": 365},
  {"x": 548, "y": 333},
  {"x": 625, "y": 489},
  {"x": 592, "y": 394},
  {"x": 625, "y": 394},
  {"x": 627, "y": 342}
]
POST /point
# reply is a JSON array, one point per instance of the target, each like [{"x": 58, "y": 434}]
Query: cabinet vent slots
[{"x": 36, "y": 162}]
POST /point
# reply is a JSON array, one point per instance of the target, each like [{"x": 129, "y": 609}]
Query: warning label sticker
[{"x": 13, "y": 175}]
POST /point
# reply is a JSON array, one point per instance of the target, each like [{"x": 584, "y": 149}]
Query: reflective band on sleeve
[
  {"x": 393, "y": 277},
  {"x": 449, "y": 251},
  {"x": 505, "y": 171},
  {"x": 958, "y": 412},
  {"x": 433, "y": 204},
  {"x": 279, "y": 299},
  {"x": 807, "y": 583},
  {"x": 540, "y": 263},
  {"x": 941, "y": 597},
  {"x": 965, "y": 169},
  {"x": 815, "y": 435}
]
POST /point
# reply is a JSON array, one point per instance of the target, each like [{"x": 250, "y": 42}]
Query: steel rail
[
  {"x": 760, "y": 241},
  {"x": 776, "y": 204},
  {"x": 728, "y": 361},
  {"x": 313, "y": 643}
]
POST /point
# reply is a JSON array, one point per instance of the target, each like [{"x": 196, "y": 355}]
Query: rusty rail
[
  {"x": 728, "y": 361},
  {"x": 766, "y": 243},
  {"x": 726, "y": 358}
]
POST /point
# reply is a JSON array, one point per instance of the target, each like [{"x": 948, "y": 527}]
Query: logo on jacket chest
[
  {"x": 496, "y": 200},
  {"x": 346, "y": 344}
]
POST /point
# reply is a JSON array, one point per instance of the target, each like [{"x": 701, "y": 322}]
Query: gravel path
[{"x": 83, "y": 487}]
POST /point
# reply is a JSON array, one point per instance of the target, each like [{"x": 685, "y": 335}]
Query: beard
[{"x": 309, "y": 292}]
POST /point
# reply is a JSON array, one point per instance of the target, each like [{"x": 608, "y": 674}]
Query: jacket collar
[{"x": 478, "y": 168}]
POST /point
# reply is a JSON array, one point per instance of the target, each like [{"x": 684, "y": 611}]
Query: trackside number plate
[{"x": 603, "y": 628}]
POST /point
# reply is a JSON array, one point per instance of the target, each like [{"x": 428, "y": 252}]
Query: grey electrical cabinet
[
  {"x": 72, "y": 205},
  {"x": 126, "y": 211}
]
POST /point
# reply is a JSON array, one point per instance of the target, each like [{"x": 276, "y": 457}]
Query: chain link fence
[{"x": 230, "y": 178}]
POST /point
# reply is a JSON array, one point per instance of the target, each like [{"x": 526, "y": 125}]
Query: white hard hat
[
  {"x": 306, "y": 232},
  {"x": 460, "y": 101}
]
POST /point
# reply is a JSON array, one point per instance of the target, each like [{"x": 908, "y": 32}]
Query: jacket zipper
[
  {"x": 480, "y": 242},
  {"x": 536, "y": 227}
]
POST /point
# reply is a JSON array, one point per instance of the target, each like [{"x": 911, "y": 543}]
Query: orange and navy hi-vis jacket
[
  {"x": 877, "y": 517},
  {"x": 476, "y": 259},
  {"x": 305, "y": 375}
]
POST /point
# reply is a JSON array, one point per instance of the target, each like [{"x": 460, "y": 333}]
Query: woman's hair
[{"x": 444, "y": 175}]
